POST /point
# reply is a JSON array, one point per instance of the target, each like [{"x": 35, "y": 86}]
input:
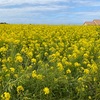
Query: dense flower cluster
[{"x": 49, "y": 62}]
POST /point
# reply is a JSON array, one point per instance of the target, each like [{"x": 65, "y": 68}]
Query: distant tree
[{"x": 3, "y": 23}]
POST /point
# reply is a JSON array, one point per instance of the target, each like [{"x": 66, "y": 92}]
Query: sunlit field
[{"x": 49, "y": 62}]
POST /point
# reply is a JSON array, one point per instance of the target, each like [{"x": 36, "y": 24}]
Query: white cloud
[
  {"x": 48, "y": 7},
  {"x": 15, "y": 2},
  {"x": 87, "y": 2},
  {"x": 87, "y": 13},
  {"x": 36, "y": 8},
  {"x": 17, "y": 14},
  {"x": 29, "y": 11}
]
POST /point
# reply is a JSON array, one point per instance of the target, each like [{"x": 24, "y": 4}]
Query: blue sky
[{"x": 49, "y": 11}]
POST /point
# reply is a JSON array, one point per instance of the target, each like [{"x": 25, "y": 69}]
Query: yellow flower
[
  {"x": 46, "y": 54},
  {"x": 77, "y": 64},
  {"x": 69, "y": 56},
  {"x": 60, "y": 66},
  {"x": 94, "y": 79},
  {"x": 9, "y": 59},
  {"x": 85, "y": 62},
  {"x": 33, "y": 60},
  {"x": 29, "y": 67},
  {"x": 68, "y": 71},
  {"x": 16, "y": 41},
  {"x": 12, "y": 69},
  {"x": 89, "y": 97},
  {"x": 80, "y": 79},
  {"x": 46, "y": 90},
  {"x": 57, "y": 54},
  {"x": 3, "y": 49},
  {"x": 6, "y": 96},
  {"x": 29, "y": 54},
  {"x": 4, "y": 60},
  {"x": 64, "y": 60},
  {"x": 7, "y": 75},
  {"x": 88, "y": 65},
  {"x": 94, "y": 68},
  {"x": 86, "y": 55},
  {"x": 34, "y": 75},
  {"x": 86, "y": 71},
  {"x": 4, "y": 68},
  {"x": 55, "y": 79},
  {"x": 39, "y": 76},
  {"x": 20, "y": 89},
  {"x": 98, "y": 57},
  {"x": 68, "y": 63},
  {"x": 74, "y": 55},
  {"x": 18, "y": 58},
  {"x": 16, "y": 75},
  {"x": 51, "y": 67}
]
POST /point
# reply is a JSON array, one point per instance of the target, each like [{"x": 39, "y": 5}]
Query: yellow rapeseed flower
[
  {"x": 51, "y": 67},
  {"x": 40, "y": 76},
  {"x": 94, "y": 68},
  {"x": 4, "y": 60},
  {"x": 34, "y": 75},
  {"x": 64, "y": 59},
  {"x": 46, "y": 90},
  {"x": 16, "y": 75},
  {"x": 3, "y": 49},
  {"x": 80, "y": 79},
  {"x": 33, "y": 60},
  {"x": 77, "y": 64},
  {"x": 86, "y": 55},
  {"x": 12, "y": 69},
  {"x": 6, "y": 96},
  {"x": 68, "y": 71},
  {"x": 46, "y": 54},
  {"x": 4, "y": 68},
  {"x": 68, "y": 63},
  {"x": 29, "y": 54},
  {"x": 16, "y": 41},
  {"x": 89, "y": 97},
  {"x": 74, "y": 55},
  {"x": 86, "y": 71},
  {"x": 18, "y": 58},
  {"x": 7, "y": 75},
  {"x": 60, "y": 66},
  {"x": 20, "y": 89},
  {"x": 9, "y": 59}
]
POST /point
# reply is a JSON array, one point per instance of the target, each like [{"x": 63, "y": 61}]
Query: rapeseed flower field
[{"x": 49, "y": 62}]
